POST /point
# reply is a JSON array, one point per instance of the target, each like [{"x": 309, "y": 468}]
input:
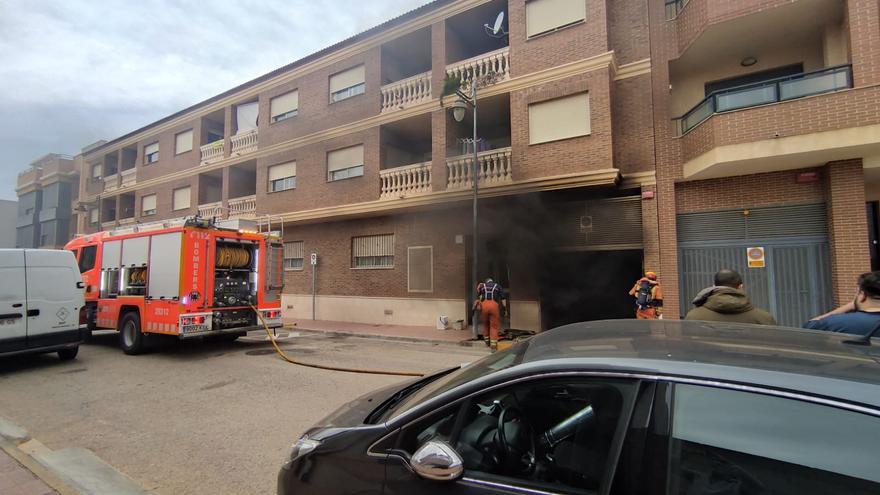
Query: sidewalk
[
  {"x": 390, "y": 332},
  {"x": 16, "y": 479}
]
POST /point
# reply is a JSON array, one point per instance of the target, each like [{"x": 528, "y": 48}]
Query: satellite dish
[{"x": 497, "y": 29}]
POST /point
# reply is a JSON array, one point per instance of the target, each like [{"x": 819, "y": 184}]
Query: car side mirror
[{"x": 437, "y": 460}]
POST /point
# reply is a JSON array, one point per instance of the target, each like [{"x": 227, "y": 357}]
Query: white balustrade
[
  {"x": 405, "y": 181},
  {"x": 244, "y": 142},
  {"x": 212, "y": 151},
  {"x": 243, "y": 207},
  {"x": 129, "y": 177},
  {"x": 212, "y": 210},
  {"x": 111, "y": 183},
  {"x": 409, "y": 91},
  {"x": 126, "y": 221},
  {"x": 497, "y": 63},
  {"x": 493, "y": 167}
]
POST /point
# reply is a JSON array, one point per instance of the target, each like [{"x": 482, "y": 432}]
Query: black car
[{"x": 619, "y": 407}]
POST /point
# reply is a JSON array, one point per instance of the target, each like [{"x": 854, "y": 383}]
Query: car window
[
  {"x": 553, "y": 435},
  {"x": 727, "y": 441},
  {"x": 87, "y": 258},
  {"x": 489, "y": 364}
]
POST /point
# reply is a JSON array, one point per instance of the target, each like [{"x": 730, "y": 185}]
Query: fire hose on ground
[{"x": 324, "y": 367}]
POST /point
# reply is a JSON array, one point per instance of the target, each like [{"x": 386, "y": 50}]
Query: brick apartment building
[
  {"x": 614, "y": 136},
  {"x": 47, "y": 194}
]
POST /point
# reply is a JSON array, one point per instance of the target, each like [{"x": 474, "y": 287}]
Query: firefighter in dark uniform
[{"x": 490, "y": 303}]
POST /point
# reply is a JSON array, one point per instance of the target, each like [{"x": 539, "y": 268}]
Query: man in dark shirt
[{"x": 860, "y": 317}]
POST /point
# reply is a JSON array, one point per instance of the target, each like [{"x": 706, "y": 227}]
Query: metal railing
[
  {"x": 405, "y": 181},
  {"x": 400, "y": 94},
  {"x": 765, "y": 92},
  {"x": 211, "y": 151},
  {"x": 493, "y": 167},
  {"x": 496, "y": 62},
  {"x": 673, "y": 7},
  {"x": 245, "y": 142}
]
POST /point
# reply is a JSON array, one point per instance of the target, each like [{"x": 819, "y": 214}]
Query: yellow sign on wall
[{"x": 756, "y": 257}]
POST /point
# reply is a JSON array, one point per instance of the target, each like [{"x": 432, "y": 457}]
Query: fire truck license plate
[{"x": 197, "y": 328}]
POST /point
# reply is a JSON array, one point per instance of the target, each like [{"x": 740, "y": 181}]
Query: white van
[{"x": 41, "y": 295}]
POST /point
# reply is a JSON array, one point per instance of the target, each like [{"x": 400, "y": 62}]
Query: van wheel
[
  {"x": 68, "y": 354},
  {"x": 131, "y": 339}
]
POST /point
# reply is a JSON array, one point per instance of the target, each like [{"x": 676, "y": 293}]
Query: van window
[{"x": 87, "y": 258}]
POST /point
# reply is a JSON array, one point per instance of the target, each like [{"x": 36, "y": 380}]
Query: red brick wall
[
  {"x": 697, "y": 15},
  {"x": 747, "y": 191},
  {"x": 628, "y": 30},
  {"x": 332, "y": 242},
  {"x": 863, "y": 17},
  {"x": 847, "y": 226},
  {"x": 633, "y": 129}
]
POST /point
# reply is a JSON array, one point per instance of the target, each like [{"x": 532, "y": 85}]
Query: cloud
[{"x": 77, "y": 71}]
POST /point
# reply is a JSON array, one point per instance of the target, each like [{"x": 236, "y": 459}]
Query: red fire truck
[{"x": 188, "y": 278}]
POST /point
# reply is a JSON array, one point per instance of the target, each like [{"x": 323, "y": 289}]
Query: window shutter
[
  {"x": 282, "y": 171},
  {"x": 347, "y": 78},
  {"x": 420, "y": 269},
  {"x": 93, "y": 215},
  {"x": 151, "y": 148},
  {"x": 293, "y": 249},
  {"x": 96, "y": 171},
  {"x": 180, "y": 199},
  {"x": 148, "y": 203},
  {"x": 183, "y": 142},
  {"x": 287, "y": 102},
  {"x": 546, "y": 15},
  {"x": 373, "y": 245},
  {"x": 345, "y": 158},
  {"x": 561, "y": 118}
]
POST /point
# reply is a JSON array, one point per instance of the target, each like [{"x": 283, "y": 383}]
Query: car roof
[{"x": 815, "y": 362}]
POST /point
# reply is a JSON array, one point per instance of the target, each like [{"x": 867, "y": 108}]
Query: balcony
[
  {"x": 244, "y": 142},
  {"x": 493, "y": 168},
  {"x": 244, "y": 207},
  {"x": 408, "y": 92},
  {"x": 128, "y": 177},
  {"x": 766, "y": 92},
  {"x": 211, "y": 152},
  {"x": 212, "y": 210},
  {"x": 495, "y": 63},
  {"x": 111, "y": 183},
  {"x": 401, "y": 182}
]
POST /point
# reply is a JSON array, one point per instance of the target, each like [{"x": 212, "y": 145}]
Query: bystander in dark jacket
[{"x": 727, "y": 302}]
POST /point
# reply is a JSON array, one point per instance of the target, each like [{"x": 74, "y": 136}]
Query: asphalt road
[{"x": 200, "y": 417}]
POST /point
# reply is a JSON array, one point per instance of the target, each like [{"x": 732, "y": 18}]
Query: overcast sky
[{"x": 76, "y": 71}]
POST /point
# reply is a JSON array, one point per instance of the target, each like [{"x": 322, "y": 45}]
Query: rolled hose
[{"x": 323, "y": 367}]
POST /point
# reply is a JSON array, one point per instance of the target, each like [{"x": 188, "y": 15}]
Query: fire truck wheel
[{"x": 131, "y": 339}]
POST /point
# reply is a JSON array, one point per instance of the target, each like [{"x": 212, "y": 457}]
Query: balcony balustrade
[
  {"x": 212, "y": 152},
  {"x": 212, "y": 210},
  {"x": 405, "y": 181},
  {"x": 244, "y": 207},
  {"x": 495, "y": 63},
  {"x": 401, "y": 94},
  {"x": 493, "y": 167},
  {"x": 129, "y": 177},
  {"x": 245, "y": 142}
]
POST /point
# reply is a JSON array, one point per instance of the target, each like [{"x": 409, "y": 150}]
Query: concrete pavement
[
  {"x": 15, "y": 479},
  {"x": 200, "y": 417}
]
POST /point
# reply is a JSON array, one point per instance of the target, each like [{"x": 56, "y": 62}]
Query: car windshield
[{"x": 487, "y": 365}]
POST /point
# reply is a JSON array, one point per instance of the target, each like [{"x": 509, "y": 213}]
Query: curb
[
  {"x": 394, "y": 338},
  {"x": 69, "y": 471}
]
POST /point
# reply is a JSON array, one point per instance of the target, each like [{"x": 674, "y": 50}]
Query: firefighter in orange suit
[
  {"x": 649, "y": 297},
  {"x": 490, "y": 303}
]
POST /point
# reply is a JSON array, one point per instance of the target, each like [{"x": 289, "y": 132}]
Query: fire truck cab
[{"x": 188, "y": 278}]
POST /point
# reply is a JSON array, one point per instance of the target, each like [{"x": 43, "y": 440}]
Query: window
[
  {"x": 180, "y": 199},
  {"x": 372, "y": 251},
  {"x": 151, "y": 153},
  {"x": 420, "y": 269},
  {"x": 727, "y": 441},
  {"x": 96, "y": 171},
  {"x": 544, "y": 16},
  {"x": 562, "y": 118},
  {"x": 246, "y": 117},
  {"x": 93, "y": 216},
  {"x": 148, "y": 205},
  {"x": 282, "y": 177},
  {"x": 87, "y": 258},
  {"x": 183, "y": 142},
  {"x": 284, "y": 106},
  {"x": 293, "y": 255},
  {"x": 347, "y": 83},
  {"x": 345, "y": 163},
  {"x": 528, "y": 457}
]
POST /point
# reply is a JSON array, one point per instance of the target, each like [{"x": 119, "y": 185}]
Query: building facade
[
  {"x": 613, "y": 137},
  {"x": 8, "y": 219},
  {"x": 47, "y": 194}
]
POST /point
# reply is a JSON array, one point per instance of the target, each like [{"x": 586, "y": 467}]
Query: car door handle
[
  {"x": 16, "y": 305},
  {"x": 33, "y": 312},
  {"x": 10, "y": 316},
  {"x": 79, "y": 285}
]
